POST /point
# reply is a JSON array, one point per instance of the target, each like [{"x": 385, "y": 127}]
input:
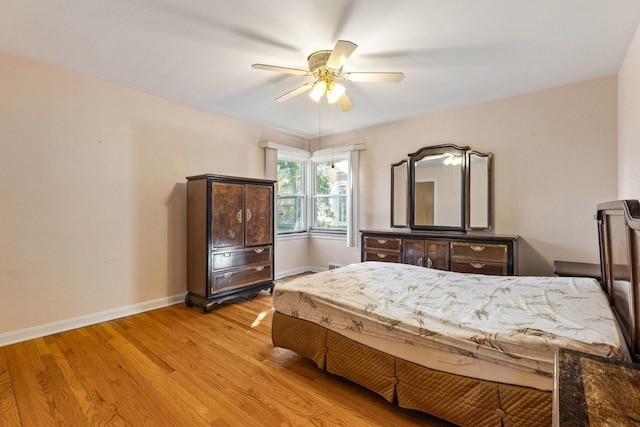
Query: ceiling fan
[{"x": 325, "y": 66}]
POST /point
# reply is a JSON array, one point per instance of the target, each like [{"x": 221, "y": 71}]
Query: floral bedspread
[{"x": 513, "y": 321}]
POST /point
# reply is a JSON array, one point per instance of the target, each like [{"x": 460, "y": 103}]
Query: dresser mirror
[
  {"x": 400, "y": 194},
  {"x": 437, "y": 188},
  {"x": 479, "y": 185},
  {"x": 449, "y": 188}
]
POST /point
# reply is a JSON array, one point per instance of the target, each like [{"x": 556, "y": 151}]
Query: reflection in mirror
[
  {"x": 399, "y": 194},
  {"x": 479, "y": 191},
  {"x": 438, "y": 187}
]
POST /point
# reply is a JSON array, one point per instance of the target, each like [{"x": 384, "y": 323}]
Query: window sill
[
  {"x": 292, "y": 236},
  {"x": 312, "y": 235},
  {"x": 328, "y": 236}
]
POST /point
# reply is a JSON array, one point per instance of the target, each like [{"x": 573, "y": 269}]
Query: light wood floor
[{"x": 179, "y": 367}]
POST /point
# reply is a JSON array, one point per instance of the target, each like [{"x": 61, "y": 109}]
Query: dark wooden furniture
[
  {"x": 463, "y": 253},
  {"x": 230, "y": 236},
  {"x": 576, "y": 269},
  {"x": 594, "y": 391},
  {"x": 619, "y": 237}
]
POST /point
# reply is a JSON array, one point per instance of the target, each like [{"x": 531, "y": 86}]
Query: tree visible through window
[
  {"x": 330, "y": 196},
  {"x": 291, "y": 196},
  {"x": 313, "y": 194}
]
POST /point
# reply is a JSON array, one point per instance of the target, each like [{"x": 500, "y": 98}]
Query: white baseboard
[
  {"x": 281, "y": 274},
  {"x": 39, "y": 331},
  {"x": 90, "y": 319}
]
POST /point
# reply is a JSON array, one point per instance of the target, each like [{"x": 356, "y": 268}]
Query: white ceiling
[{"x": 199, "y": 52}]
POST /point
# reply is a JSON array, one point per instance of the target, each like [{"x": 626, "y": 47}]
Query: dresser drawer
[
  {"x": 479, "y": 252},
  {"x": 229, "y": 279},
  {"x": 382, "y": 256},
  {"x": 229, "y": 259},
  {"x": 389, "y": 244},
  {"x": 478, "y": 267}
]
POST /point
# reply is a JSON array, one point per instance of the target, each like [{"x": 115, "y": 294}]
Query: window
[
  {"x": 317, "y": 194},
  {"x": 331, "y": 181},
  {"x": 291, "y": 198}
]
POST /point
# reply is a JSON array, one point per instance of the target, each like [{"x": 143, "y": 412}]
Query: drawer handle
[
  {"x": 477, "y": 248},
  {"x": 226, "y": 254},
  {"x": 227, "y": 275},
  {"x": 239, "y": 216},
  {"x": 259, "y": 250},
  {"x": 382, "y": 241},
  {"x": 260, "y": 268},
  {"x": 382, "y": 255},
  {"x": 248, "y": 215},
  {"x": 476, "y": 265}
]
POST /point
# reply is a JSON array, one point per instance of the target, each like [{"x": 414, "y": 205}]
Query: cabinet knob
[
  {"x": 248, "y": 215},
  {"x": 226, "y": 254},
  {"x": 476, "y": 265},
  {"x": 382, "y": 241},
  {"x": 420, "y": 262},
  {"x": 239, "y": 216},
  {"x": 227, "y": 275},
  {"x": 429, "y": 262},
  {"x": 382, "y": 255},
  {"x": 260, "y": 268},
  {"x": 477, "y": 248},
  {"x": 259, "y": 250}
]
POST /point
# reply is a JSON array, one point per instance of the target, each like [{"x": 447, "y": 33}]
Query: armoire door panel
[
  {"x": 227, "y": 215},
  {"x": 259, "y": 223}
]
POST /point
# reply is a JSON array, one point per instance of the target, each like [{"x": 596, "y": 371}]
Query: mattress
[{"x": 495, "y": 328}]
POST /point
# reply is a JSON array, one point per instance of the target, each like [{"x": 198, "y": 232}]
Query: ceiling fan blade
[
  {"x": 345, "y": 103},
  {"x": 373, "y": 77},
  {"x": 297, "y": 91},
  {"x": 281, "y": 69},
  {"x": 340, "y": 54}
]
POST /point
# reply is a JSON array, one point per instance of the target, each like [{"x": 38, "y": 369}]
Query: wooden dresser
[
  {"x": 463, "y": 253},
  {"x": 229, "y": 238}
]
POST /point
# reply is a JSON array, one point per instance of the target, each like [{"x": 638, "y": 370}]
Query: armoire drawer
[
  {"x": 229, "y": 279},
  {"x": 236, "y": 258},
  {"x": 479, "y": 252}
]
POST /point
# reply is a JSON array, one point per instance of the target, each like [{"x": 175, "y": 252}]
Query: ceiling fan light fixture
[
  {"x": 319, "y": 88},
  {"x": 334, "y": 92}
]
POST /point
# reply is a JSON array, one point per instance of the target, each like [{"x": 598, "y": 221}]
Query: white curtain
[{"x": 353, "y": 228}]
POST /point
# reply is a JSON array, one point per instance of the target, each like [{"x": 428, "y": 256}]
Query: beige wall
[
  {"x": 92, "y": 191},
  {"x": 555, "y": 159},
  {"x": 629, "y": 123},
  {"x": 92, "y": 184}
]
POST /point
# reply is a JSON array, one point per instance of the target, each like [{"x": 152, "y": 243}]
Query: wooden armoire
[{"x": 230, "y": 234}]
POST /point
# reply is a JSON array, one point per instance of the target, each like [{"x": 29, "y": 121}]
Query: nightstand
[
  {"x": 594, "y": 391},
  {"x": 577, "y": 269}
]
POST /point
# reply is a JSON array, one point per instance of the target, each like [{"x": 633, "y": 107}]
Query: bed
[{"x": 470, "y": 349}]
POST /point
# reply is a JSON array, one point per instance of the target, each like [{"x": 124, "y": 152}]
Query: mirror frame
[
  {"x": 489, "y": 157},
  {"x": 436, "y": 150},
  {"x": 407, "y": 207}
]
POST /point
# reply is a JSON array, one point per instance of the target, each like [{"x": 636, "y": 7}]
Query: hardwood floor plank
[
  {"x": 178, "y": 366},
  {"x": 88, "y": 407},
  {"x": 9, "y": 415},
  {"x": 95, "y": 376}
]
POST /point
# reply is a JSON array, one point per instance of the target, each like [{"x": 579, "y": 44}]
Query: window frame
[
  {"x": 314, "y": 162},
  {"x": 304, "y": 161}
]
